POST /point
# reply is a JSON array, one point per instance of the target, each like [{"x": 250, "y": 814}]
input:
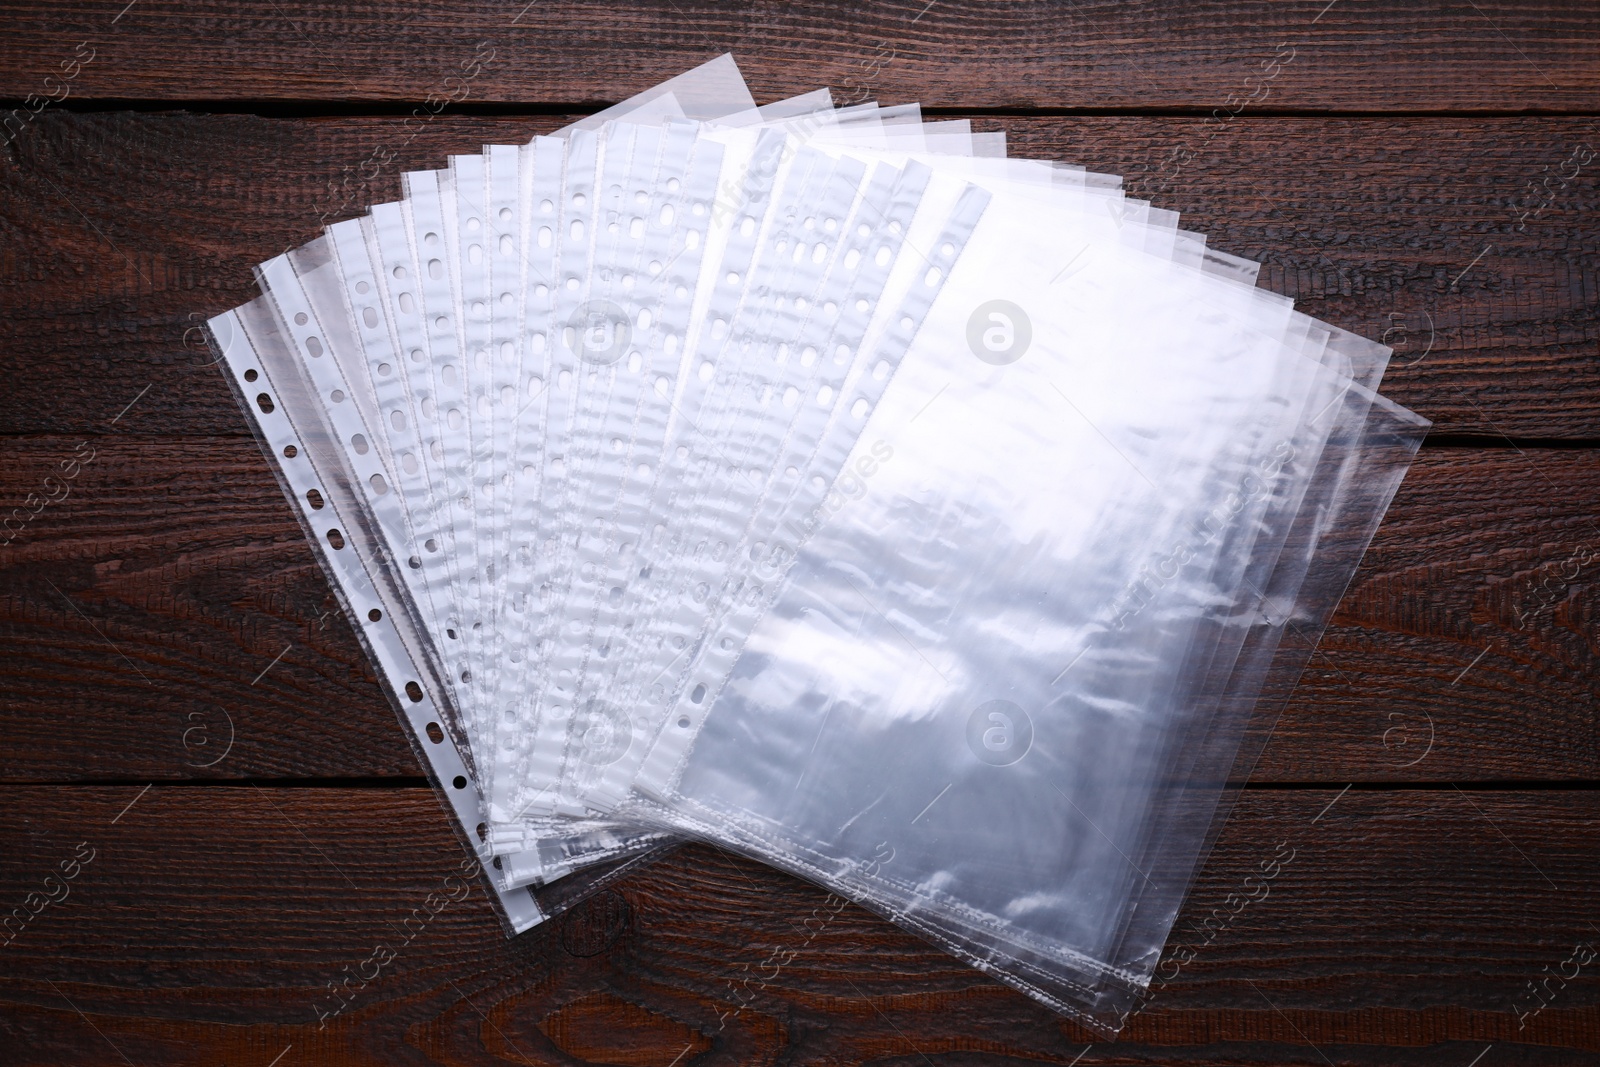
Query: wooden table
[{"x": 1420, "y": 173}]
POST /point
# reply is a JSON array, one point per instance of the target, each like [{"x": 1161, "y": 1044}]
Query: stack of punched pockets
[{"x": 938, "y": 526}]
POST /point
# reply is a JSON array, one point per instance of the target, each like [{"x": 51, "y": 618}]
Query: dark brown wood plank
[
  {"x": 949, "y": 53},
  {"x": 192, "y": 577},
  {"x": 1470, "y": 626},
  {"x": 1399, "y": 928},
  {"x": 119, "y": 233},
  {"x": 168, "y": 606}
]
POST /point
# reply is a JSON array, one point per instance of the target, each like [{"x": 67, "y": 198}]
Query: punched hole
[
  {"x": 336, "y": 539},
  {"x": 414, "y": 691},
  {"x": 264, "y": 402},
  {"x": 699, "y": 693},
  {"x": 435, "y": 734},
  {"x": 683, "y": 723},
  {"x": 289, "y": 451},
  {"x": 460, "y": 781},
  {"x": 251, "y": 375},
  {"x": 374, "y": 615},
  {"x": 315, "y": 498}
]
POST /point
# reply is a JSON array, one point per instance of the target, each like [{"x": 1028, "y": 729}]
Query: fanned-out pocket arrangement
[{"x": 828, "y": 485}]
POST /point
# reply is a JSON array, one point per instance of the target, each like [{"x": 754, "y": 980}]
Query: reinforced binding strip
[{"x": 372, "y": 604}]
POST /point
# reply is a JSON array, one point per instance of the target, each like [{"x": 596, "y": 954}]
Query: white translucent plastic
[{"x": 825, "y": 484}]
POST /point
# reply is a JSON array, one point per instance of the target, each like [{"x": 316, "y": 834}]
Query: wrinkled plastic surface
[{"x": 935, "y": 525}]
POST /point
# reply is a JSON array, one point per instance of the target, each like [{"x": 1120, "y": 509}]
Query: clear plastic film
[
  {"x": 261, "y": 368},
  {"x": 288, "y": 281},
  {"x": 961, "y": 709},
  {"x": 938, "y": 526}
]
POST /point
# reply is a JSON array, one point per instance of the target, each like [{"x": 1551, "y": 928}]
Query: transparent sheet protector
[
  {"x": 538, "y": 198},
  {"x": 519, "y": 785},
  {"x": 804, "y": 458},
  {"x": 531, "y": 748},
  {"x": 750, "y": 384},
  {"x": 264, "y": 373},
  {"x": 642, "y": 440},
  {"x": 684, "y": 483},
  {"x": 730, "y": 634},
  {"x": 1253, "y": 552},
  {"x": 837, "y": 655},
  {"x": 714, "y": 91},
  {"x": 655, "y": 227},
  {"x": 596, "y": 734},
  {"x": 845, "y": 449},
  {"x": 467, "y": 259},
  {"x": 434, "y": 276},
  {"x": 690, "y": 622},
  {"x": 1361, "y": 467},
  {"x": 392, "y": 323},
  {"x": 624, "y": 345},
  {"x": 287, "y": 282},
  {"x": 682, "y": 258},
  {"x": 786, "y": 518},
  {"x": 1282, "y": 617},
  {"x": 1169, "y": 854}
]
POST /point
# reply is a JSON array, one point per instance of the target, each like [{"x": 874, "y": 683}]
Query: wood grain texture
[
  {"x": 171, "y": 598},
  {"x": 120, "y": 233},
  {"x": 1404, "y": 171},
  {"x": 950, "y": 53},
  {"x": 144, "y": 608},
  {"x": 210, "y": 922}
]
